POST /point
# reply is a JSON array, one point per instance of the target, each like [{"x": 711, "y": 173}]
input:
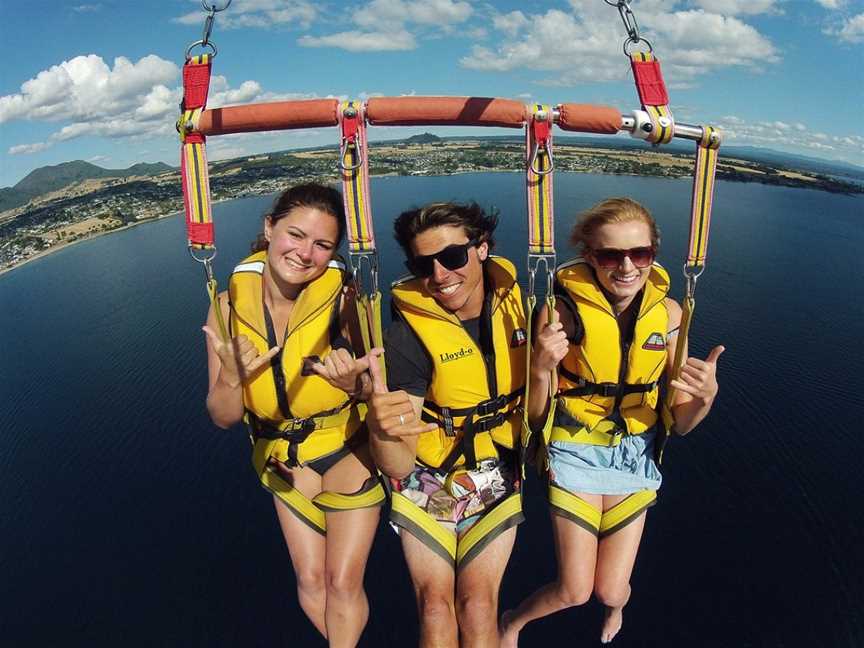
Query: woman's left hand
[
  {"x": 344, "y": 371},
  {"x": 699, "y": 377}
]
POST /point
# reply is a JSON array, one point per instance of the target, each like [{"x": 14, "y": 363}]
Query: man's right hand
[{"x": 391, "y": 415}]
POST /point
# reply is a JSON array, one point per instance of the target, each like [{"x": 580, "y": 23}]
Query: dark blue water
[{"x": 128, "y": 519}]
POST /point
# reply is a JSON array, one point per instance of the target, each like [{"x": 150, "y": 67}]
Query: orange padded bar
[
  {"x": 444, "y": 111},
  {"x": 280, "y": 115},
  {"x": 588, "y": 118}
]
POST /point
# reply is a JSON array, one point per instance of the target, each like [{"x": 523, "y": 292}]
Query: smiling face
[
  {"x": 459, "y": 291},
  {"x": 623, "y": 282},
  {"x": 301, "y": 244}
]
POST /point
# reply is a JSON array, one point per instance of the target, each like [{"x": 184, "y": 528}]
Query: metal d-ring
[
  {"x": 213, "y": 8},
  {"x": 634, "y": 41},
  {"x": 202, "y": 44}
]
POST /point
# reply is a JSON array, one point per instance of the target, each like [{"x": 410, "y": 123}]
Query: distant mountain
[
  {"x": 52, "y": 178},
  {"x": 423, "y": 138}
]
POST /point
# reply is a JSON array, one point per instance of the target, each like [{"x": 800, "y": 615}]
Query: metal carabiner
[
  {"x": 343, "y": 149},
  {"x": 534, "y": 156},
  {"x": 691, "y": 274},
  {"x": 534, "y": 261},
  {"x": 356, "y": 263}
]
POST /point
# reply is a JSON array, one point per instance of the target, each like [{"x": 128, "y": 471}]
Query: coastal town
[{"x": 94, "y": 206}]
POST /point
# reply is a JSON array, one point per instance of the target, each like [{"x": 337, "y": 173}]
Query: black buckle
[
  {"x": 491, "y": 406},
  {"x": 490, "y": 422},
  {"x": 606, "y": 389},
  {"x": 303, "y": 426}
]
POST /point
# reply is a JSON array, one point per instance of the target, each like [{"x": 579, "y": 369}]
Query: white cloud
[
  {"x": 694, "y": 42},
  {"x": 27, "y": 149},
  {"x": 851, "y": 30},
  {"x": 259, "y": 14},
  {"x": 830, "y": 4},
  {"x": 511, "y": 23},
  {"x": 131, "y": 100},
  {"x": 86, "y": 88},
  {"x": 738, "y": 7},
  {"x": 390, "y": 25},
  {"x": 357, "y": 41},
  {"x": 87, "y": 8},
  {"x": 783, "y": 135}
]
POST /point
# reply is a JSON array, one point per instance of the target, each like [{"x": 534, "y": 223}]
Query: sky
[{"x": 101, "y": 81}]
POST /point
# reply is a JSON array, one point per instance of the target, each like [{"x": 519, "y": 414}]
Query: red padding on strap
[
  {"x": 200, "y": 233},
  {"x": 588, "y": 118},
  {"x": 196, "y": 83},
  {"x": 435, "y": 111},
  {"x": 649, "y": 83},
  {"x": 280, "y": 115}
]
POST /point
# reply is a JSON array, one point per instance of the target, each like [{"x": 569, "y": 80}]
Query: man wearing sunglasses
[{"x": 447, "y": 430}]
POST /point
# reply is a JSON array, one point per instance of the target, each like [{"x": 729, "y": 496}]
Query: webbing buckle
[
  {"x": 491, "y": 406},
  {"x": 606, "y": 389},
  {"x": 303, "y": 426}
]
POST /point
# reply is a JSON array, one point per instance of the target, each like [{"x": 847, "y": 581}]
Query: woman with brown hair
[{"x": 289, "y": 371}]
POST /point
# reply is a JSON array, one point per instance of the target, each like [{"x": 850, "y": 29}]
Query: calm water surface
[{"x": 128, "y": 519}]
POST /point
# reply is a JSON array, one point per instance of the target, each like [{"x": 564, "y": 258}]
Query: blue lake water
[{"x": 128, "y": 519}]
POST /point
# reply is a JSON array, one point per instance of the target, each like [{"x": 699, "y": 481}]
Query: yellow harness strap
[
  {"x": 541, "y": 249},
  {"x": 354, "y": 167},
  {"x": 697, "y": 251}
]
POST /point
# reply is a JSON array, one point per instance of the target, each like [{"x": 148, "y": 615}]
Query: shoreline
[{"x": 57, "y": 248}]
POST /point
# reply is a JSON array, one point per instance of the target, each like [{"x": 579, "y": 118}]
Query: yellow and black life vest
[
  {"x": 293, "y": 418},
  {"x": 606, "y": 375},
  {"x": 474, "y": 397}
]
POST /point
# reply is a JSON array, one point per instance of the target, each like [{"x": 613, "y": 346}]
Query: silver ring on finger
[{"x": 401, "y": 419}]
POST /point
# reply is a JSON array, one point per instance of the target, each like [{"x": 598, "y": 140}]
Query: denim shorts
[{"x": 618, "y": 470}]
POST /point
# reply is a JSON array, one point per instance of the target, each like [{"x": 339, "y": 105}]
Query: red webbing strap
[
  {"x": 653, "y": 95},
  {"x": 193, "y": 157}
]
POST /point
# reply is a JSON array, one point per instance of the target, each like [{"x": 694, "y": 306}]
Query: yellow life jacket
[
  {"x": 605, "y": 373},
  {"x": 475, "y": 400},
  {"x": 302, "y": 417}
]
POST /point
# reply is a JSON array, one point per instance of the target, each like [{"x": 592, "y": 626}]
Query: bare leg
[
  {"x": 477, "y": 588},
  {"x": 349, "y": 539},
  {"x": 576, "y": 552},
  {"x": 434, "y": 586},
  {"x": 616, "y": 556},
  {"x": 306, "y": 548}
]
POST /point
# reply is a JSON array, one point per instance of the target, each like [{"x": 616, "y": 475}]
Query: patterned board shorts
[{"x": 466, "y": 508}]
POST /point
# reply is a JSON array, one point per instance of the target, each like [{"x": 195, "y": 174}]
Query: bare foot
[
  {"x": 611, "y": 624},
  {"x": 508, "y": 637}
]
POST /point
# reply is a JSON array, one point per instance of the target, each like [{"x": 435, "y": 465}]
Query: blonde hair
[{"x": 611, "y": 210}]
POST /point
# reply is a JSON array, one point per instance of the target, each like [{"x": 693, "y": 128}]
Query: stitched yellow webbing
[
  {"x": 541, "y": 233},
  {"x": 703, "y": 196}
]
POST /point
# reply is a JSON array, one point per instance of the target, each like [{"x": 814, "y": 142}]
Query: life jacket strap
[
  {"x": 612, "y": 390},
  {"x": 296, "y": 430}
]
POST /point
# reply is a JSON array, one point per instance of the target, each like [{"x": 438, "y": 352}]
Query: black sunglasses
[{"x": 451, "y": 257}]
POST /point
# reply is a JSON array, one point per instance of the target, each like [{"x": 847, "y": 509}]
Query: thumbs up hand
[{"x": 699, "y": 377}]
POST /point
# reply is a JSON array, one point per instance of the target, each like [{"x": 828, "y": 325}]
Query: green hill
[{"x": 52, "y": 178}]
